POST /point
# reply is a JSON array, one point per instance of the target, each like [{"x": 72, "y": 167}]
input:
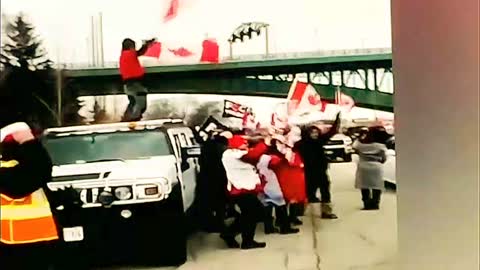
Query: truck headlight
[
  {"x": 106, "y": 198},
  {"x": 123, "y": 193}
]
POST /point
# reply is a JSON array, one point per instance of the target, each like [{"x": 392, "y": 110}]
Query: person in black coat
[
  {"x": 210, "y": 195},
  {"x": 316, "y": 165}
]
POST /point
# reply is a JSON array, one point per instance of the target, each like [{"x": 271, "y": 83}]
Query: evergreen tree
[
  {"x": 28, "y": 80},
  {"x": 22, "y": 48}
]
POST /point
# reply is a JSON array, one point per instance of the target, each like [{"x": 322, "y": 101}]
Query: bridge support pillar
[{"x": 437, "y": 120}]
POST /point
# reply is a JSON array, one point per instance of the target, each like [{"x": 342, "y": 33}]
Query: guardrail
[{"x": 254, "y": 57}]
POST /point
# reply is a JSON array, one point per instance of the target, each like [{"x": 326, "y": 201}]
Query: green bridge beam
[
  {"x": 230, "y": 78},
  {"x": 233, "y": 86}
]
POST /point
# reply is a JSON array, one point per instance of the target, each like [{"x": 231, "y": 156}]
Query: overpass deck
[{"x": 242, "y": 76}]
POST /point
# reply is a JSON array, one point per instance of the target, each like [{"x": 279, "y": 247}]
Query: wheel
[{"x": 174, "y": 251}]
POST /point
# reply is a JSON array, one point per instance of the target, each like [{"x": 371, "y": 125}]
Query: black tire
[
  {"x": 174, "y": 248},
  {"x": 347, "y": 158}
]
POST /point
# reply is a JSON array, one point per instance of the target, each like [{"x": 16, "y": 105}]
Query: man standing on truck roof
[{"x": 133, "y": 74}]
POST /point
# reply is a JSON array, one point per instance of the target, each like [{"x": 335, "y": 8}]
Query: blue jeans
[{"x": 137, "y": 97}]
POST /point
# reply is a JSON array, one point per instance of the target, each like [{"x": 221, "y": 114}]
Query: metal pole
[
  {"x": 87, "y": 42},
  {"x": 231, "y": 50},
  {"x": 102, "y": 59},
  {"x": 59, "y": 96},
  {"x": 267, "y": 52},
  {"x": 93, "y": 41}
]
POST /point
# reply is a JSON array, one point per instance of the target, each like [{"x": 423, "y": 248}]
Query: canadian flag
[
  {"x": 170, "y": 54},
  {"x": 304, "y": 98}
]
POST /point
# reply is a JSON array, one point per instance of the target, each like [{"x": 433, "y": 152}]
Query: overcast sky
[{"x": 296, "y": 25}]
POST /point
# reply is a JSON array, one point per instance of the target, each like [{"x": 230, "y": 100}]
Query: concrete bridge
[{"x": 364, "y": 74}]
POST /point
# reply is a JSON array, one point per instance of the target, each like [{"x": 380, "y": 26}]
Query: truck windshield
[{"x": 98, "y": 147}]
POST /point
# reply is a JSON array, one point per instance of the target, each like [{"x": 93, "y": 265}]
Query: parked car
[
  {"x": 135, "y": 183},
  {"x": 339, "y": 148}
]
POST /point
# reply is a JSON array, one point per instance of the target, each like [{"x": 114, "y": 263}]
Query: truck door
[{"x": 187, "y": 168}]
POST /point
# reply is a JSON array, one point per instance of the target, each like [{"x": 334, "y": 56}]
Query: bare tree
[
  {"x": 201, "y": 113},
  {"x": 163, "y": 109}
]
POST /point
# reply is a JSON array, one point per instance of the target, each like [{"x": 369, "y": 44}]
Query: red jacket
[
  {"x": 130, "y": 67},
  {"x": 291, "y": 178}
]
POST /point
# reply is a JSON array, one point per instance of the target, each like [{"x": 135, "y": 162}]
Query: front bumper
[
  {"x": 338, "y": 153},
  {"x": 115, "y": 234}
]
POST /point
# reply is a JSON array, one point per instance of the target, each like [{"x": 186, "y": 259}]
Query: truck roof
[{"x": 113, "y": 127}]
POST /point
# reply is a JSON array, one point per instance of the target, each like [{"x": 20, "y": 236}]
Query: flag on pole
[
  {"x": 154, "y": 50},
  {"x": 304, "y": 98},
  {"x": 169, "y": 54},
  {"x": 233, "y": 109}
]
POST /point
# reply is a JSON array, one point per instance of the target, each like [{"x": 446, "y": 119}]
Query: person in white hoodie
[
  {"x": 244, "y": 185},
  {"x": 369, "y": 176}
]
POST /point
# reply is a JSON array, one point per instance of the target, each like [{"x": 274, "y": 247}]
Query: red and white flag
[
  {"x": 234, "y": 109},
  {"x": 172, "y": 11},
  {"x": 305, "y": 98},
  {"x": 170, "y": 54},
  {"x": 248, "y": 121}
]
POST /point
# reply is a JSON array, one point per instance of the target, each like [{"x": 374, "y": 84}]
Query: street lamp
[{"x": 247, "y": 30}]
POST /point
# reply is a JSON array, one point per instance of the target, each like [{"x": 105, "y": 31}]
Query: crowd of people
[{"x": 271, "y": 176}]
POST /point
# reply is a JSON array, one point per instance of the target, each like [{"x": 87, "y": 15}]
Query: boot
[
  {"x": 366, "y": 198},
  {"x": 268, "y": 221},
  {"x": 294, "y": 213},
  {"x": 367, "y": 205},
  {"x": 282, "y": 216},
  {"x": 376, "y": 194},
  {"x": 327, "y": 212},
  {"x": 253, "y": 244},
  {"x": 229, "y": 240}
]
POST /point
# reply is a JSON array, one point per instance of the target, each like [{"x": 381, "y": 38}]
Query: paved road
[{"x": 358, "y": 240}]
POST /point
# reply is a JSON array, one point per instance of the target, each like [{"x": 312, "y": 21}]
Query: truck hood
[{"x": 153, "y": 167}]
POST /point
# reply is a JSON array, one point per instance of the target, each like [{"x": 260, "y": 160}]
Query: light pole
[
  {"x": 247, "y": 30},
  {"x": 59, "y": 95}
]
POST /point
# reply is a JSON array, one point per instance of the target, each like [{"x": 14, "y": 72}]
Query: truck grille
[{"x": 90, "y": 195}]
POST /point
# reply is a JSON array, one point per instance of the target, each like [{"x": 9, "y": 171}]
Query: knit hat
[{"x": 7, "y": 131}]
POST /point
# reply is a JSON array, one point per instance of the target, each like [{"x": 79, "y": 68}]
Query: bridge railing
[
  {"x": 324, "y": 53},
  {"x": 254, "y": 57}
]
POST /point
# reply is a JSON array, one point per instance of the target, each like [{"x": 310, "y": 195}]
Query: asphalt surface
[{"x": 358, "y": 240}]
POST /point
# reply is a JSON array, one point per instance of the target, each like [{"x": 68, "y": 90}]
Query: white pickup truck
[
  {"x": 339, "y": 148},
  {"x": 135, "y": 183}
]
